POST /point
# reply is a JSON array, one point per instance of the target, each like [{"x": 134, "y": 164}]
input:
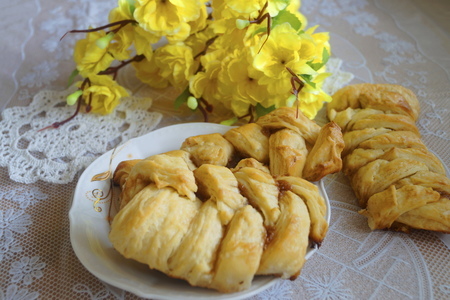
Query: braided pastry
[
  {"x": 228, "y": 207},
  {"x": 399, "y": 183}
]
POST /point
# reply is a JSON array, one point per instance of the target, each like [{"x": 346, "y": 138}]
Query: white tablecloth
[{"x": 404, "y": 42}]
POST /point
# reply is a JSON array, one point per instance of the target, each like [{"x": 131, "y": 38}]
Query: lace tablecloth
[{"x": 404, "y": 42}]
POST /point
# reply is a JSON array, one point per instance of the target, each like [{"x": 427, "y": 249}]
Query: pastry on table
[
  {"x": 314, "y": 202},
  {"x": 167, "y": 169},
  {"x": 221, "y": 186},
  {"x": 216, "y": 213},
  {"x": 209, "y": 149},
  {"x": 287, "y": 152},
  {"x": 399, "y": 183},
  {"x": 250, "y": 140},
  {"x": 325, "y": 156},
  {"x": 284, "y": 253},
  {"x": 262, "y": 192}
]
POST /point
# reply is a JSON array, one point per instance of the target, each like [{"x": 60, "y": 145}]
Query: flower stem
[
  {"x": 122, "y": 23},
  {"x": 57, "y": 124}
]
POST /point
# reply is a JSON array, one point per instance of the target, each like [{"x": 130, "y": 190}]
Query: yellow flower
[
  {"x": 321, "y": 41},
  {"x": 274, "y": 6},
  {"x": 312, "y": 98},
  {"x": 103, "y": 94},
  {"x": 176, "y": 64},
  {"x": 279, "y": 52},
  {"x": 165, "y": 17},
  {"x": 294, "y": 7},
  {"x": 148, "y": 72},
  {"x": 244, "y": 8},
  {"x": 132, "y": 33},
  {"x": 89, "y": 57},
  {"x": 205, "y": 84},
  {"x": 239, "y": 80},
  {"x": 197, "y": 41}
]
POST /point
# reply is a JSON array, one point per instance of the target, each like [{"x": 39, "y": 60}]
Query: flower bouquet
[{"x": 244, "y": 57}]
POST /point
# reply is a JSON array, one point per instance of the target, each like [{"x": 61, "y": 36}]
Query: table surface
[{"x": 404, "y": 42}]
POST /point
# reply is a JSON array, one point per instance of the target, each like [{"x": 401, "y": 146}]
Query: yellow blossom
[
  {"x": 176, "y": 64},
  {"x": 132, "y": 33},
  {"x": 102, "y": 93},
  {"x": 274, "y": 6},
  {"x": 92, "y": 59},
  {"x": 148, "y": 72},
  {"x": 280, "y": 51},
  {"x": 239, "y": 80},
  {"x": 165, "y": 17},
  {"x": 198, "y": 40},
  {"x": 321, "y": 41},
  {"x": 205, "y": 84},
  {"x": 312, "y": 97}
]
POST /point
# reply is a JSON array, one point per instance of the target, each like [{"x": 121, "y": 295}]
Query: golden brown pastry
[
  {"x": 387, "y": 206},
  {"x": 240, "y": 251},
  {"x": 325, "y": 156},
  {"x": 122, "y": 171},
  {"x": 399, "y": 183},
  {"x": 261, "y": 191},
  {"x": 287, "y": 152},
  {"x": 195, "y": 258},
  {"x": 193, "y": 215},
  {"x": 220, "y": 185},
  {"x": 252, "y": 163},
  {"x": 284, "y": 255},
  {"x": 151, "y": 226},
  {"x": 209, "y": 149},
  {"x": 389, "y": 98},
  {"x": 292, "y": 118},
  {"x": 250, "y": 141},
  {"x": 163, "y": 170},
  {"x": 314, "y": 201}
]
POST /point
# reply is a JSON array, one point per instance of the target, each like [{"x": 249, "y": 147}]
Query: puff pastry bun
[
  {"x": 228, "y": 207},
  {"x": 399, "y": 183}
]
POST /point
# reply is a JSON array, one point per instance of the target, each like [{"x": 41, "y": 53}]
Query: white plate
[{"x": 89, "y": 226}]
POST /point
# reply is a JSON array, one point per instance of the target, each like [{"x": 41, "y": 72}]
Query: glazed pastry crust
[
  {"x": 250, "y": 141},
  {"x": 221, "y": 186},
  {"x": 151, "y": 226},
  {"x": 163, "y": 170},
  {"x": 399, "y": 183},
  {"x": 388, "y": 98},
  {"x": 193, "y": 215},
  {"x": 284, "y": 254},
  {"x": 195, "y": 257},
  {"x": 325, "y": 157},
  {"x": 209, "y": 149},
  {"x": 314, "y": 201},
  {"x": 262, "y": 192},
  {"x": 240, "y": 251},
  {"x": 291, "y": 118},
  {"x": 287, "y": 152}
]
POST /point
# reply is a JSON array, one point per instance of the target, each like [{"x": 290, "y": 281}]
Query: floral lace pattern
[
  {"x": 57, "y": 155},
  {"x": 379, "y": 41}
]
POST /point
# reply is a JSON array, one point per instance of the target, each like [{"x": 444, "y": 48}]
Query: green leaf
[
  {"x": 325, "y": 57},
  {"x": 260, "y": 30},
  {"x": 182, "y": 98},
  {"x": 286, "y": 16},
  {"x": 261, "y": 110},
  {"x": 229, "y": 122},
  {"x": 72, "y": 77},
  {"x": 308, "y": 79},
  {"x": 131, "y": 6}
]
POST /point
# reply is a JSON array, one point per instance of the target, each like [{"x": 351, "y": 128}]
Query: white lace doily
[{"x": 56, "y": 155}]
